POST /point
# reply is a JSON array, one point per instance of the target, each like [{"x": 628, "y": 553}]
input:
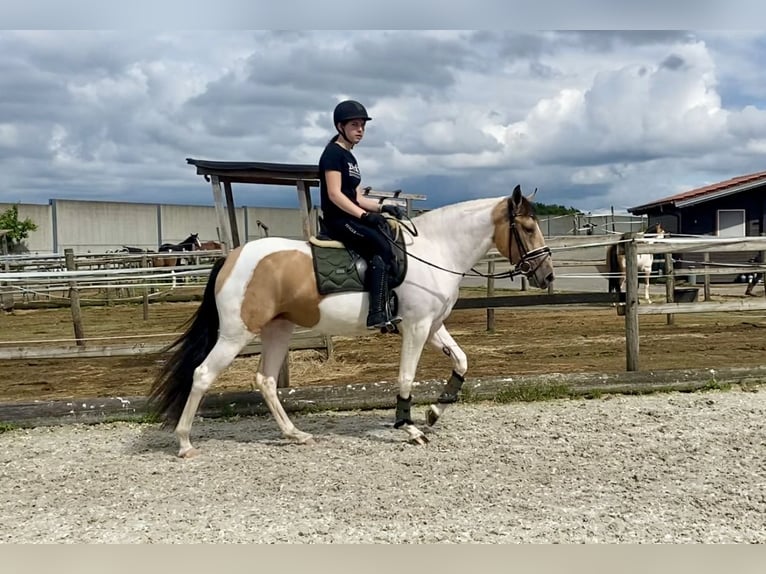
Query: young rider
[{"x": 351, "y": 217}]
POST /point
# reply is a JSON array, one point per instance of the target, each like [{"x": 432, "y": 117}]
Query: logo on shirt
[{"x": 353, "y": 170}]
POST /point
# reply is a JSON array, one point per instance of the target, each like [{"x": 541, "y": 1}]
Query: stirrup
[{"x": 391, "y": 326}]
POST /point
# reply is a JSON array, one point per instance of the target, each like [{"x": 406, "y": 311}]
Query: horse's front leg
[
  {"x": 414, "y": 337},
  {"x": 443, "y": 341}
]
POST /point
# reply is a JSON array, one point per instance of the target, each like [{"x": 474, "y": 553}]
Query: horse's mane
[{"x": 453, "y": 210}]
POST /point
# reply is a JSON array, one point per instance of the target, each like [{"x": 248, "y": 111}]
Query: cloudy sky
[{"x": 594, "y": 120}]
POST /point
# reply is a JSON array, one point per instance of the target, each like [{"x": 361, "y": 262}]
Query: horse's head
[
  {"x": 656, "y": 229},
  {"x": 518, "y": 237},
  {"x": 192, "y": 242}
]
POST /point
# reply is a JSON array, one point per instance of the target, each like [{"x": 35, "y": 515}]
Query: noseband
[{"x": 530, "y": 260}]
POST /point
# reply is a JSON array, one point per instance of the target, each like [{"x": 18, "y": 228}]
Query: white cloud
[{"x": 594, "y": 119}]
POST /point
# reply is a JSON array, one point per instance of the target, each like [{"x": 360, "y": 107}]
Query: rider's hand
[
  {"x": 373, "y": 219},
  {"x": 394, "y": 210}
]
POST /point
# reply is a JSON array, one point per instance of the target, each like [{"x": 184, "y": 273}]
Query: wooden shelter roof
[{"x": 257, "y": 172}]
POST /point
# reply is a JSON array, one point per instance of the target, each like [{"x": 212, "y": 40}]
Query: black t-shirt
[{"x": 337, "y": 158}]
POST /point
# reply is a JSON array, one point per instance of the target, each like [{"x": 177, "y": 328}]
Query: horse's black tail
[
  {"x": 172, "y": 386},
  {"x": 613, "y": 267}
]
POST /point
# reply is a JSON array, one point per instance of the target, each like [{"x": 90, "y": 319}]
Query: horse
[
  {"x": 615, "y": 260},
  {"x": 191, "y": 243},
  {"x": 267, "y": 287},
  {"x": 210, "y": 246}
]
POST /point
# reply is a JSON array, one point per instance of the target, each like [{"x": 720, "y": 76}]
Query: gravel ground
[{"x": 659, "y": 468}]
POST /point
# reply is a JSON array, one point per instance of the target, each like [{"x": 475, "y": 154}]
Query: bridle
[{"x": 530, "y": 260}]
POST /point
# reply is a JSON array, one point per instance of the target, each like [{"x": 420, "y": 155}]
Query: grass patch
[
  {"x": 532, "y": 393},
  {"x": 7, "y": 427}
]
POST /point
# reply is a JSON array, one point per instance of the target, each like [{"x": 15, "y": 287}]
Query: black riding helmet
[
  {"x": 345, "y": 112},
  {"x": 349, "y": 110}
]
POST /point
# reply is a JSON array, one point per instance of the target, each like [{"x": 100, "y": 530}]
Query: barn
[{"x": 732, "y": 208}]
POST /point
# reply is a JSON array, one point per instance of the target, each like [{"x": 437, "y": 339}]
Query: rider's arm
[
  {"x": 367, "y": 202},
  {"x": 336, "y": 196}
]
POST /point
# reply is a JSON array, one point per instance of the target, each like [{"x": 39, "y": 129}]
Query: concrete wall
[
  {"x": 281, "y": 222},
  {"x": 177, "y": 222},
  {"x": 42, "y": 239},
  {"x": 99, "y": 226}
]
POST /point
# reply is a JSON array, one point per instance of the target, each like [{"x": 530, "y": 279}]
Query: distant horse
[
  {"x": 131, "y": 249},
  {"x": 191, "y": 243},
  {"x": 268, "y": 286},
  {"x": 615, "y": 259},
  {"x": 210, "y": 246}
]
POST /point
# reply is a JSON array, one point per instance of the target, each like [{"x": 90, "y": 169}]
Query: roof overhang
[
  {"x": 701, "y": 198},
  {"x": 721, "y": 193},
  {"x": 257, "y": 172}
]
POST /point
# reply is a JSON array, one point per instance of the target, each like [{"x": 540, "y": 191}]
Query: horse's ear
[
  {"x": 516, "y": 197},
  {"x": 531, "y": 196}
]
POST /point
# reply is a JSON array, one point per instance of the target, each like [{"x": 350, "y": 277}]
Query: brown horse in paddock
[
  {"x": 615, "y": 261},
  {"x": 210, "y": 245}
]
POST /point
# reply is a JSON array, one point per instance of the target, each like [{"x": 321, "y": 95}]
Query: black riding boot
[{"x": 378, "y": 317}]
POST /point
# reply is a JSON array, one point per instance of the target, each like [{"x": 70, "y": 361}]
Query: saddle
[{"x": 339, "y": 269}]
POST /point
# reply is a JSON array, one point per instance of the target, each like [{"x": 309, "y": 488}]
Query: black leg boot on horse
[{"x": 379, "y": 315}]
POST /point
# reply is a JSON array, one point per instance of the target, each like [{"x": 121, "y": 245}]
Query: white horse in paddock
[
  {"x": 615, "y": 259},
  {"x": 268, "y": 286}
]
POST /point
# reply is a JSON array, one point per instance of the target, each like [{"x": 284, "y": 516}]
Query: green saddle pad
[{"x": 336, "y": 270}]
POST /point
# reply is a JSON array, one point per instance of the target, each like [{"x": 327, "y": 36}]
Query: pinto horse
[
  {"x": 615, "y": 260},
  {"x": 267, "y": 287}
]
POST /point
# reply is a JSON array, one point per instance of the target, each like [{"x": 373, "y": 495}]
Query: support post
[
  {"x": 145, "y": 297},
  {"x": 223, "y": 224},
  {"x": 670, "y": 286},
  {"x": 631, "y": 303},
  {"x": 761, "y": 260},
  {"x": 304, "y": 199},
  {"x": 490, "y": 293},
  {"x": 283, "y": 380},
  {"x": 706, "y": 266},
  {"x": 74, "y": 299},
  {"x": 232, "y": 214},
  {"x": 6, "y": 295}
]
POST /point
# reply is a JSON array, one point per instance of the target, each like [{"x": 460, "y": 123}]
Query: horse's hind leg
[
  {"x": 220, "y": 357},
  {"x": 443, "y": 341},
  {"x": 275, "y": 342}
]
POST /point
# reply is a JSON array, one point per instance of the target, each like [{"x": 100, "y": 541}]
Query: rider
[{"x": 348, "y": 215}]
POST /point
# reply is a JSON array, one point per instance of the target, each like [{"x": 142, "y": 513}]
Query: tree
[
  {"x": 17, "y": 230},
  {"x": 554, "y": 209}
]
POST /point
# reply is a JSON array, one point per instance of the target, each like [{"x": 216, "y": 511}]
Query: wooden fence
[{"x": 76, "y": 279}]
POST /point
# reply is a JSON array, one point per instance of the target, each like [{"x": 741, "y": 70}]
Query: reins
[{"x": 523, "y": 267}]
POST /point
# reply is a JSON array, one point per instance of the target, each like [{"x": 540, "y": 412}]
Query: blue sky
[{"x": 594, "y": 120}]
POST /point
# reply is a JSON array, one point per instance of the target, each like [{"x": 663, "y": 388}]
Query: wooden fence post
[
  {"x": 490, "y": 293},
  {"x": 705, "y": 266},
  {"x": 631, "y": 304},
  {"x": 6, "y": 295},
  {"x": 670, "y": 285},
  {"x": 74, "y": 299},
  {"x": 145, "y": 297},
  {"x": 283, "y": 380},
  {"x": 761, "y": 260}
]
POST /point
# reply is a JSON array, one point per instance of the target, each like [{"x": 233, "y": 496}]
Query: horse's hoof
[
  {"x": 421, "y": 440},
  {"x": 189, "y": 453},
  {"x": 432, "y": 415},
  {"x": 304, "y": 438}
]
